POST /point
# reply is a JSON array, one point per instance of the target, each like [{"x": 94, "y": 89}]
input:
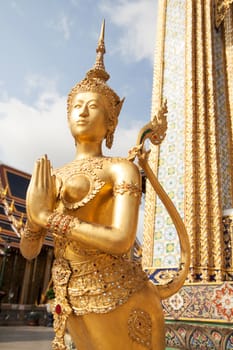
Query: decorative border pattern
[
  {"x": 191, "y": 336},
  {"x": 201, "y": 302}
]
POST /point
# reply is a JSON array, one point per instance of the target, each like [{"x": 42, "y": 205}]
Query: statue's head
[{"x": 95, "y": 81}]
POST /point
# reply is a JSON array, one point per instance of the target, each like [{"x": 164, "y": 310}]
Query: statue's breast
[
  {"x": 79, "y": 189},
  {"x": 76, "y": 188},
  {"x": 79, "y": 183}
]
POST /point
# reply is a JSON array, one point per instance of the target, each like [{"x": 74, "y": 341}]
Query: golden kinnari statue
[{"x": 90, "y": 205}]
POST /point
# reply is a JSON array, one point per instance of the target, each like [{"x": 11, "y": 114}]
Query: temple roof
[{"x": 16, "y": 182}]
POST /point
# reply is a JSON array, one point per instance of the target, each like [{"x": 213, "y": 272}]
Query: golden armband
[{"x": 130, "y": 188}]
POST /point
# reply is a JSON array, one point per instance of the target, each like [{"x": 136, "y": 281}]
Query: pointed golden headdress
[{"x": 95, "y": 81}]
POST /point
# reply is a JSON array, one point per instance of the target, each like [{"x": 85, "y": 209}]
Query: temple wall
[
  {"x": 171, "y": 152},
  {"x": 192, "y": 71}
]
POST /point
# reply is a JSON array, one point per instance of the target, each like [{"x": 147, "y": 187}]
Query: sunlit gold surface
[
  {"x": 203, "y": 197},
  {"x": 91, "y": 207},
  {"x": 102, "y": 232}
]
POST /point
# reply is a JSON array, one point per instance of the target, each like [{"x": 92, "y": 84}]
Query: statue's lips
[{"x": 82, "y": 122}]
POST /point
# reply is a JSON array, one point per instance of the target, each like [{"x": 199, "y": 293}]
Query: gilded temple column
[
  {"x": 194, "y": 72},
  {"x": 190, "y": 125},
  {"x": 228, "y": 244},
  {"x": 224, "y": 24},
  {"x": 228, "y": 37},
  {"x": 203, "y": 198}
]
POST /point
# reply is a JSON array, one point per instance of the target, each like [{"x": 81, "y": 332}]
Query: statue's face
[{"x": 88, "y": 117}]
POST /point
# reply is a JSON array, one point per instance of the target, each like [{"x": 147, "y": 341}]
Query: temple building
[
  {"x": 193, "y": 71},
  {"x": 21, "y": 281}
]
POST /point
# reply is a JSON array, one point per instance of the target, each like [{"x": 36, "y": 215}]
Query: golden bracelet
[
  {"x": 32, "y": 235},
  {"x": 58, "y": 224}
]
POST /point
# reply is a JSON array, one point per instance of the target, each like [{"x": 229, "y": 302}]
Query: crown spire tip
[
  {"x": 98, "y": 71},
  {"x": 102, "y": 32}
]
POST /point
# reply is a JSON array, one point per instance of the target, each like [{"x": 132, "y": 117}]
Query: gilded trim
[
  {"x": 228, "y": 40},
  {"x": 190, "y": 125},
  {"x": 202, "y": 187},
  {"x": 215, "y": 243},
  {"x": 202, "y": 226},
  {"x": 140, "y": 328},
  {"x": 221, "y": 8},
  {"x": 223, "y": 122}
]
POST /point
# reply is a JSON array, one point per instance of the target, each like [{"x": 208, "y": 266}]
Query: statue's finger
[
  {"x": 43, "y": 173},
  {"x": 48, "y": 173},
  {"x": 36, "y": 172}
]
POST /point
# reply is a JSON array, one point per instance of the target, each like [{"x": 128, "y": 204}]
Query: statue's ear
[{"x": 109, "y": 139}]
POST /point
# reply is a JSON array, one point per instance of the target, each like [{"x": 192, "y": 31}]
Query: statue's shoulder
[{"x": 122, "y": 168}]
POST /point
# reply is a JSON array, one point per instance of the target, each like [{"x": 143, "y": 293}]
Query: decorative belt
[{"x": 98, "y": 285}]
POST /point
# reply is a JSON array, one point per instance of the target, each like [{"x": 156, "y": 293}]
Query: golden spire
[
  {"x": 95, "y": 81},
  {"x": 98, "y": 70}
]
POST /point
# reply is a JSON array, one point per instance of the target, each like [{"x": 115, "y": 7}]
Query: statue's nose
[{"x": 83, "y": 111}]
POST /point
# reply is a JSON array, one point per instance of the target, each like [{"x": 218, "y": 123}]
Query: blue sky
[{"x": 47, "y": 46}]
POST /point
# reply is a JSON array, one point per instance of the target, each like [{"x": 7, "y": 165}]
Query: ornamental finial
[
  {"x": 95, "y": 81},
  {"x": 98, "y": 70}
]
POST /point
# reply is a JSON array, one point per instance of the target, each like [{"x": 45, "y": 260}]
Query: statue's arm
[
  {"x": 119, "y": 236},
  {"x": 40, "y": 201},
  {"x": 116, "y": 238},
  {"x": 31, "y": 242}
]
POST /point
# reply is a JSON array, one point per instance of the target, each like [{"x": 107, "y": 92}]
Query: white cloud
[
  {"x": 35, "y": 81},
  {"x": 137, "y": 19},
  {"x": 28, "y": 132},
  {"x": 44, "y": 88},
  {"x": 62, "y": 25}
]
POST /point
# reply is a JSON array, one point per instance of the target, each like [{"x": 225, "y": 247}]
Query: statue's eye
[
  {"x": 77, "y": 105},
  {"x": 92, "y": 105}
]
